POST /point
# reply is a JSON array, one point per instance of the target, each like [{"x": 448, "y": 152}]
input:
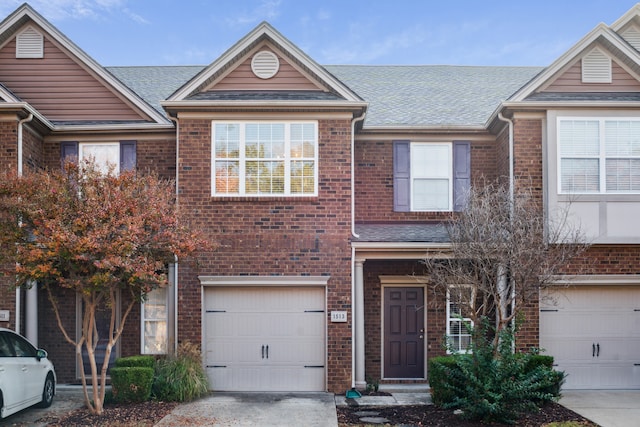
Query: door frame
[{"x": 402, "y": 282}]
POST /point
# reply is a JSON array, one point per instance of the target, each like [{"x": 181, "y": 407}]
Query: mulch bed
[
  {"x": 145, "y": 414},
  {"x": 429, "y": 415}
]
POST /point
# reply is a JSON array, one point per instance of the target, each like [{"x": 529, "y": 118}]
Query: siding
[
  {"x": 60, "y": 88},
  {"x": 571, "y": 81},
  {"x": 242, "y": 78}
]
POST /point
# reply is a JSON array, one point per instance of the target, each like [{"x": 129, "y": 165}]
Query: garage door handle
[
  {"x": 263, "y": 352},
  {"x": 267, "y": 351},
  {"x": 598, "y": 350},
  {"x": 593, "y": 350}
]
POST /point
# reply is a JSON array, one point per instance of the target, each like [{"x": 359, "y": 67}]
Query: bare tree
[{"x": 504, "y": 250}]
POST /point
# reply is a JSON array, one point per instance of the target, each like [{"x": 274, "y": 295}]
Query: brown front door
[{"x": 404, "y": 332}]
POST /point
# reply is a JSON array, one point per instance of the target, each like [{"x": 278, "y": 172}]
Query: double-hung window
[
  {"x": 598, "y": 156},
  {"x": 155, "y": 321},
  {"x": 431, "y": 176},
  {"x": 120, "y": 155},
  {"x": 265, "y": 158},
  {"x": 458, "y": 326}
]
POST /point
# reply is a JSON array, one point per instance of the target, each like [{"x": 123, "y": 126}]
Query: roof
[
  {"x": 398, "y": 96},
  {"x": 433, "y": 232}
]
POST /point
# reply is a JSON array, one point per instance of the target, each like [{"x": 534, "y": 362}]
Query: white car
[{"x": 27, "y": 377}]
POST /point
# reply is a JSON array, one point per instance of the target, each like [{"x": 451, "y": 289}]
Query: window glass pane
[
  {"x": 303, "y": 140},
  {"x": 155, "y": 337},
  {"x": 264, "y": 177},
  {"x": 580, "y": 175},
  {"x": 430, "y": 161},
  {"x": 302, "y": 177},
  {"x": 104, "y": 155},
  {"x": 227, "y": 177},
  {"x": 227, "y": 140},
  {"x": 155, "y": 317},
  {"x": 622, "y": 138},
  {"x": 623, "y": 175},
  {"x": 579, "y": 137},
  {"x": 430, "y": 194}
]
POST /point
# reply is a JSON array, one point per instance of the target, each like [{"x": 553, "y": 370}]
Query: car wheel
[{"x": 47, "y": 392}]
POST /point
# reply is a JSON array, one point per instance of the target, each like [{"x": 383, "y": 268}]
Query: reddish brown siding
[
  {"x": 60, "y": 88},
  {"x": 272, "y": 236},
  {"x": 242, "y": 78},
  {"x": 571, "y": 81}
]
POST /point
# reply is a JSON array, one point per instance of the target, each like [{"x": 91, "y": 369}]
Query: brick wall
[
  {"x": 435, "y": 323},
  {"x": 273, "y": 236},
  {"x": 374, "y": 180},
  {"x": 8, "y": 159}
]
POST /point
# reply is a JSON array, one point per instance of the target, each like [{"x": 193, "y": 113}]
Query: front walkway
[{"x": 608, "y": 408}]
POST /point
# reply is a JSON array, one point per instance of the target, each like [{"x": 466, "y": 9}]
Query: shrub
[
  {"x": 180, "y": 378},
  {"x": 131, "y": 383},
  {"x": 442, "y": 392},
  {"x": 497, "y": 385},
  {"x": 136, "y": 361}
]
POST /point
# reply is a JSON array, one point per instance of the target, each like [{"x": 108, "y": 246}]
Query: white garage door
[
  {"x": 593, "y": 332},
  {"x": 265, "y": 338}
]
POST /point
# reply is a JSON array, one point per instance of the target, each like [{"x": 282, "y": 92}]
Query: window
[
  {"x": 431, "y": 176},
  {"x": 155, "y": 318},
  {"x": 598, "y": 156},
  {"x": 458, "y": 326},
  {"x": 265, "y": 158},
  {"x": 122, "y": 155}
]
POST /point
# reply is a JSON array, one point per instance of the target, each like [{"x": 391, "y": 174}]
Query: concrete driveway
[
  {"x": 609, "y": 408},
  {"x": 67, "y": 399},
  {"x": 256, "y": 409}
]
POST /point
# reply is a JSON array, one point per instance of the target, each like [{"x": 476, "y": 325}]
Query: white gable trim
[
  {"x": 29, "y": 43},
  {"x": 264, "y": 29},
  {"x": 26, "y": 11},
  {"x": 626, "y": 18},
  {"x": 596, "y": 67},
  {"x": 600, "y": 31}
]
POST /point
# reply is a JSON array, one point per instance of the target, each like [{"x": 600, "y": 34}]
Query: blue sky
[{"x": 457, "y": 32}]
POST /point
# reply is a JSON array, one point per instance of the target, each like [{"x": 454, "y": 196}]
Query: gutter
[
  {"x": 353, "y": 172},
  {"x": 20, "y": 123}
]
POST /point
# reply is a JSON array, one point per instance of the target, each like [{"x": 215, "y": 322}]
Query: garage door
[
  {"x": 593, "y": 332},
  {"x": 265, "y": 338}
]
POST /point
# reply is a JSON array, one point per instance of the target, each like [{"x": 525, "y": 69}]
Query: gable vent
[
  {"x": 632, "y": 36},
  {"x": 265, "y": 64},
  {"x": 29, "y": 44},
  {"x": 596, "y": 67}
]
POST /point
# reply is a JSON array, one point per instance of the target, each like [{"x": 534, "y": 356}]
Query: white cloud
[
  {"x": 266, "y": 10},
  {"x": 60, "y": 10}
]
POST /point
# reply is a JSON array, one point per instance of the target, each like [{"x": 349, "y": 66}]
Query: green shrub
[
  {"x": 136, "y": 361},
  {"x": 180, "y": 378},
  {"x": 131, "y": 384},
  {"x": 439, "y": 377},
  {"x": 497, "y": 386}
]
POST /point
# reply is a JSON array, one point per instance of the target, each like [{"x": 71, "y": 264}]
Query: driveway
[
  {"x": 256, "y": 409},
  {"x": 609, "y": 408},
  {"x": 67, "y": 399}
]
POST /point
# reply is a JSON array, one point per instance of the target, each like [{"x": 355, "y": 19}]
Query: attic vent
[
  {"x": 596, "y": 67},
  {"x": 632, "y": 36},
  {"x": 265, "y": 64},
  {"x": 29, "y": 44}
]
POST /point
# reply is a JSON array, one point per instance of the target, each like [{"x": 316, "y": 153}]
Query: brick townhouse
[{"x": 325, "y": 187}]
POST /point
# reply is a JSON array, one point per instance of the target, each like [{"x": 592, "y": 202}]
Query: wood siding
[
  {"x": 242, "y": 78},
  {"x": 60, "y": 88},
  {"x": 571, "y": 81}
]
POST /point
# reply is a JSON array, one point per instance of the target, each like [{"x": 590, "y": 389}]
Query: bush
[
  {"x": 439, "y": 378},
  {"x": 180, "y": 378},
  {"x": 136, "y": 361},
  {"x": 496, "y": 386},
  {"x": 131, "y": 383}
]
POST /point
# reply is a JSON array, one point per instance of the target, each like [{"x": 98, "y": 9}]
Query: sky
[{"x": 362, "y": 32}]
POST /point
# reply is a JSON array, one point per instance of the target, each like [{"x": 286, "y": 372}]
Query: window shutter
[
  {"x": 127, "y": 155},
  {"x": 461, "y": 174},
  {"x": 68, "y": 151},
  {"x": 401, "y": 176}
]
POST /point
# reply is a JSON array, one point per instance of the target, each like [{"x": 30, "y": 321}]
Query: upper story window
[
  {"x": 600, "y": 156},
  {"x": 431, "y": 176},
  {"x": 265, "y": 158}
]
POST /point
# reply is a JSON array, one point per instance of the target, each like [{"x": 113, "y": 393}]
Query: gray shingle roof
[
  {"x": 584, "y": 96},
  {"x": 398, "y": 96},
  {"x": 417, "y": 232},
  {"x": 266, "y": 95}
]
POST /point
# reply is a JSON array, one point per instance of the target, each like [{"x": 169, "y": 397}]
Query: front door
[{"x": 404, "y": 332}]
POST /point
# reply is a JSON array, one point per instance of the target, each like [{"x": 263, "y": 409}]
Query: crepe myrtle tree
[
  {"x": 97, "y": 233},
  {"x": 504, "y": 250}
]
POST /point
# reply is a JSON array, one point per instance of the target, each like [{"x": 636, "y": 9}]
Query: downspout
[
  {"x": 353, "y": 251},
  {"x": 175, "y": 257},
  {"x": 20, "y": 123}
]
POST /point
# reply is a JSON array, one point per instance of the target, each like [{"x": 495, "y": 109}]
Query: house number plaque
[{"x": 338, "y": 316}]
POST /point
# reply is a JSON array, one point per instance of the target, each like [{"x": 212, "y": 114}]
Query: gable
[
  {"x": 59, "y": 87},
  {"x": 288, "y": 77}
]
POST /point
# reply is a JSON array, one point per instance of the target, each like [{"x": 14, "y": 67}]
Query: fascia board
[
  {"x": 568, "y": 56},
  {"x": 624, "y": 19},
  {"x": 267, "y": 30},
  {"x": 113, "y": 127},
  {"x": 24, "y": 106},
  {"x": 546, "y": 105},
  {"x": 418, "y": 128},
  {"x": 26, "y": 10},
  {"x": 264, "y": 104},
  {"x": 7, "y": 96}
]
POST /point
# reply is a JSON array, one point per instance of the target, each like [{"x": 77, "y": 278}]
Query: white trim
[
  {"x": 265, "y": 64},
  {"x": 29, "y": 43},
  {"x": 264, "y": 280},
  {"x": 596, "y": 67},
  {"x": 598, "y": 279}
]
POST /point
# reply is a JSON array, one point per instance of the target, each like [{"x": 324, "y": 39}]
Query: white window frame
[
  {"x": 419, "y": 173},
  {"x": 456, "y": 319},
  {"x": 144, "y": 338},
  {"x": 601, "y": 156},
  {"x": 102, "y": 167},
  {"x": 286, "y": 158}
]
